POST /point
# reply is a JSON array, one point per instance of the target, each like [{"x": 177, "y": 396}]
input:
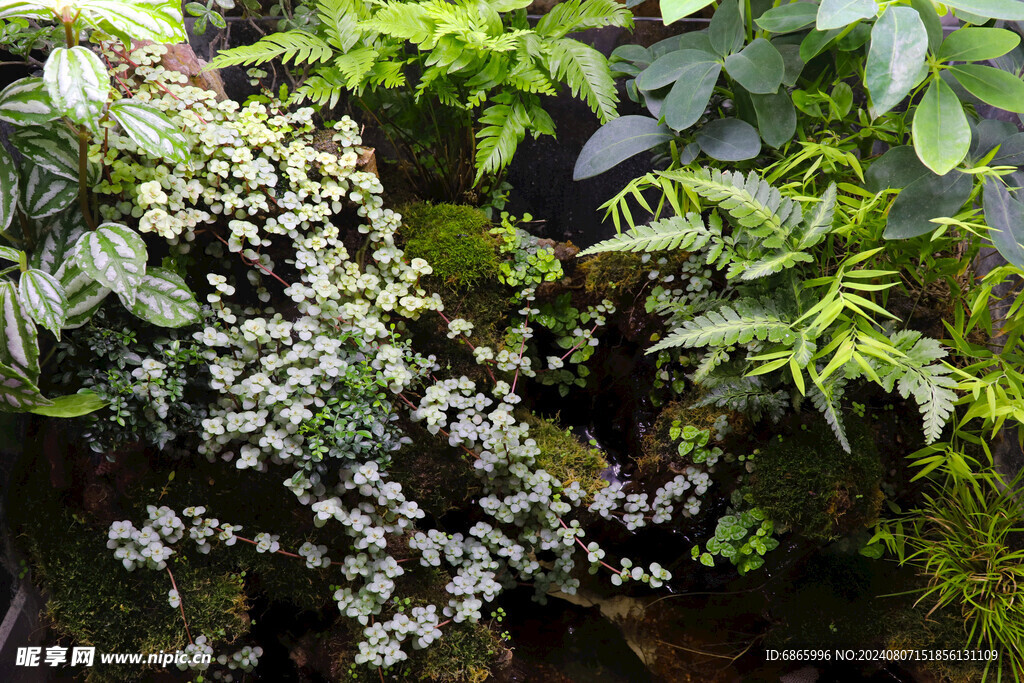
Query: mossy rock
[
  {"x": 661, "y": 450},
  {"x": 617, "y": 272},
  {"x": 455, "y": 240},
  {"x": 807, "y": 481},
  {"x": 564, "y": 457},
  {"x": 437, "y": 476}
]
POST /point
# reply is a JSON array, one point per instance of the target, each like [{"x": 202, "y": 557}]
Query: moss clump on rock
[
  {"x": 563, "y": 456},
  {"x": 455, "y": 240},
  {"x": 807, "y": 481}
]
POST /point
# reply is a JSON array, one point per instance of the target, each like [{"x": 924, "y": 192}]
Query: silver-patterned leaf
[
  {"x": 115, "y": 256},
  {"x": 151, "y": 130},
  {"x": 10, "y": 254},
  {"x": 19, "y": 393},
  {"x": 42, "y": 297},
  {"x": 53, "y": 147},
  {"x": 57, "y": 240},
  {"x": 19, "y": 343},
  {"x": 78, "y": 83},
  {"x": 44, "y": 194},
  {"x": 164, "y": 299},
  {"x": 26, "y": 9},
  {"x": 84, "y": 295},
  {"x": 158, "y": 20},
  {"x": 26, "y": 101},
  {"x": 8, "y": 188}
]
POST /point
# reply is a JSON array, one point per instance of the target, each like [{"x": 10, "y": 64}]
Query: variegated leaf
[
  {"x": 158, "y": 20},
  {"x": 8, "y": 189},
  {"x": 84, "y": 295},
  {"x": 57, "y": 241},
  {"x": 42, "y": 297},
  {"x": 53, "y": 147},
  {"x": 10, "y": 254},
  {"x": 19, "y": 343},
  {"x": 78, "y": 83},
  {"x": 26, "y": 102},
  {"x": 43, "y": 193},
  {"x": 151, "y": 130},
  {"x": 18, "y": 393},
  {"x": 115, "y": 256},
  {"x": 25, "y": 9},
  {"x": 164, "y": 299}
]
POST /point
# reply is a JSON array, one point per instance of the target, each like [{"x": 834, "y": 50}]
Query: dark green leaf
[
  {"x": 791, "y": 58},
  {"x": 895, "y": 61},
  {"x": 668, "y": 69},
  {"x": 616, "y": 141},
  {"x": 726, "y": 31},
  {"x": 1011, "y": 151},
  {"x": 895, "y": 169},
  {"x": 926, "y": 198},
  {"x": 975, "y": 44},
  {"x": 787, "y": 18},
  {"x": 1011, "y": 10},
  {"x": 1005, "y": 216},
  {"x": 815, "y": 42},
  {"x": 689, "y": 97},
  {"x": 729, "y": 140},
  {"x": 72, "y": 405},
  {"x": 674, "y": 10},
  {"x": 758, "y": 67},
  {"x": 991, "y": 85},
  {"x": 932, "y": 23},
  {"x": 941, "y": 135},
  {"x": 838, "y": 13},
  {"x": 776, "y": 117},
  {"x": 988, "y": 133}
]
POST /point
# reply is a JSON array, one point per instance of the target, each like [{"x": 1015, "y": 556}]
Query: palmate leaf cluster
[
  {"x": 776, "y": 308},
  {"x": 470, "y": 56}
]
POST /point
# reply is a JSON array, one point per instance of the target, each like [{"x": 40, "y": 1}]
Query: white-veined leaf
[
  {"x": 78, "y": 83},
  {"x": 52, "y": 147},
  {"x": 19, "y": 344},
  {"x": 26, "y": 9},
  {"x": 8, "y": 189},
  {"x": 44, "y": 194},
  {"x": 84, "y": 295},
  {"x": 164, "y": 299},
  {"x": 159, "y": 20},
  {"x": 57, "y": 241},
  {"x": 18, "y": 393},
  {"x": 151, "y": 130},
  {"x": 26, "y": 101},
  {"x": 115, "y": 256},
  {"x": 43, "y": 298},
  {"x": 10, "y": 254}
]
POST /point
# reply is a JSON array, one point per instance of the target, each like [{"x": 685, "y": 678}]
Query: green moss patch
[
  {"x": 562, "y": 455},
  {"x": 454, "y": 240}
]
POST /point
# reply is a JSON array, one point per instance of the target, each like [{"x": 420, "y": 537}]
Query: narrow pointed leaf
[
  {"x": 78, "y": 84},
  {"x": 26, "y": 101},
  {"x": 114, "y": 256},
  {"x": 991, "y": 85},
  {"x": 43, "y": 193},
  {"x": 151, "y": 130},
  {"x": 72, "y": 405},
  {"x": 617, "y": 141},
  {"x": 758, "y": 67},
  {"x": 839, "y": 13},
  {"x": 895, "y": 62},
  {"x": 19, "y": 345},
  {"x": 164, "y": 299},
  {"x": 43, "y": 298},
  {"x": 8, "y": 189},
  {"x": 940, "y": 131}
]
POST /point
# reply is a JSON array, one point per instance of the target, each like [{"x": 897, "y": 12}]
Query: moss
[
  {"x": 806, "y": 480},
  {"x": 660, "y": 449},
  {"x": 562, "y": 455},
  {"x": 455, "y": 240},
  {"x": 614, "y": 272},
  {"x": 437, "y": 476},
  {"x": 466, "y": 654}
]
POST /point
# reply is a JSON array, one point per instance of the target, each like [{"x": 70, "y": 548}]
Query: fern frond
[
  {"x": 579, "y": 15},
  {"x": 323, "y": 88},
  {"x": 932, "y": 389},
  {"x": 751, "y": 201},
  {"x": 295, "y": 46},
  {"x": 586, "y": 72},
  {"x": 826, "y": 399},
  {"x": 737, "y": 323},
  {"x": 528, "y": 78},
  {"x": 504, "y": 128},
  {"x": 709, "y": 362},
  {"x": 769, "y": 265},
  {"x": 819, "y": 222},
  {"x": 688, "y": 234},
  {"x": 745, "y": 395},
  {"x": 356, "y": 65},
  {"x": 340, "y": 21},
  {"x": 406, "y": 20}
]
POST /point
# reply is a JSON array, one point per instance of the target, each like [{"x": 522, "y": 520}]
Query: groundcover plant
[{"x": 278, "y": 416}]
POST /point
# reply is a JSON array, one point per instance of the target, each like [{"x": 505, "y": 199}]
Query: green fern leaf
[
  {"x": 528, "y": 78},
  {"x": 323, "y": 88},
  {"x": 406, "y": 20},
  {"x": 356, "y": 66},
  {"x": 769, "y": 265},
  {"x": 585, "y": 71},
  {"x": 340, "y": 22},
  {"x": 826, "y": 399},
  {"x": 688, "y": 233},
  {"x": 297, "y": 47},
  {"x": 504, "y": 128},
  {"x": 751, "y": 201},
  {"x": 745, "y": 395},
  {"x": 739, "y": 323},
  {"x": 819, "y": 222},
  {"x": 580, "y": 15}
]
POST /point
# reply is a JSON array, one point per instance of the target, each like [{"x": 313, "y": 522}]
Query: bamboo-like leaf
[
  {"x": 164, "y": 299},
  {"x": 115, "y": 256},
  {"x": 42, "y": 297},
  {"x": 72, "y": 405}
]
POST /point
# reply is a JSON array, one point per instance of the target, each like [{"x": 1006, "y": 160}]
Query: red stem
[
  {"x": 181, "y": 604},
  {"x": 577, "y": 539}
]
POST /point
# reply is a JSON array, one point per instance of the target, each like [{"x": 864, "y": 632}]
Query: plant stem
[
  {"x": 83, "y": 177},
  {"x": 181, "y": 604}
]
